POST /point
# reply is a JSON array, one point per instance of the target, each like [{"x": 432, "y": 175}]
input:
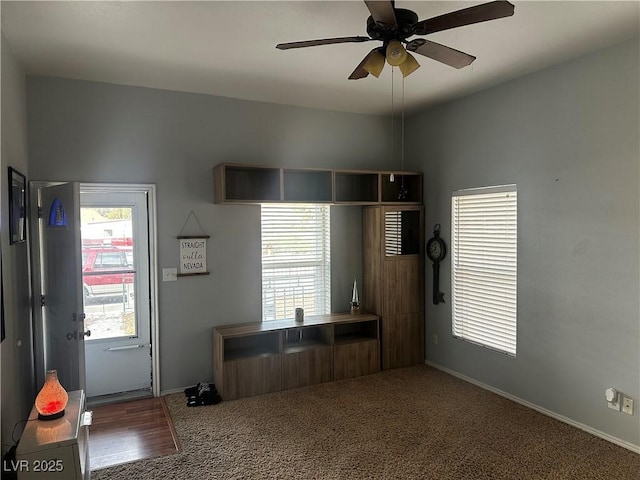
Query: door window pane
[{"x": 108, "y": 272}]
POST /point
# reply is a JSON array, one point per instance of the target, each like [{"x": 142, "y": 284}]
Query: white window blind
[
  {"x": 296, "y": 270},
  {"x": 484, "y": 266},
  {"x": 393, "y": 233}
]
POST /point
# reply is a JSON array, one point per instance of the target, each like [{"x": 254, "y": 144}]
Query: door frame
[{"x": 36, "y": 261}]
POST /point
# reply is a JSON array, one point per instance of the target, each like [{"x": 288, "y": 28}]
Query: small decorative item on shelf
[
  {"x": 299, "y": 315},
  {"x": 403, "y": 192},
  {"x": 52, "y": 399},
  {"x": 355, "y": 302}
]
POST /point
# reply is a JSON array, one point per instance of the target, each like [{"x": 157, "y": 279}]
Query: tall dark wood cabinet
[{"x": 393, "y": 280}]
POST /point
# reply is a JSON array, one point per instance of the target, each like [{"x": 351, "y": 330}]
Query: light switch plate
[{"x": 169, "y": 274}]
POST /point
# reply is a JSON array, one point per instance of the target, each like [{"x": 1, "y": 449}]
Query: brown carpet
[{"x": 408, "y": 423}]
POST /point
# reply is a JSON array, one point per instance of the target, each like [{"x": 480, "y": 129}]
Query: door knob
[{"x": 78, "y": 335}]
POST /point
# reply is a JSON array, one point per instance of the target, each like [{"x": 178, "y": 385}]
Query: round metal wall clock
[{"x": 436, "y": 251}]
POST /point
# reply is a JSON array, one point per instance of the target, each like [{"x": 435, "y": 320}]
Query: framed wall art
[{"x": 17, "y": 206}]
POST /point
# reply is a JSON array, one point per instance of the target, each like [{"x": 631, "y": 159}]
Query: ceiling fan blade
[
  {"x": 360, "y": 72},
  {"x": 323, "y": 41},
  {"x": 441, "y": 53},
  {"x": 382, "y": 12},
  {"x": 466, "y": 16}
]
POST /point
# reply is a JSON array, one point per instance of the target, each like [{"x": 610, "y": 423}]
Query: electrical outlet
[
  {"x": 614, "y": 406},
  {"x": 434, "y": 338},
  {"x": 627, "y": 405}
]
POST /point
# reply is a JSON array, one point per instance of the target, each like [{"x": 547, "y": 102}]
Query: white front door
[
  {"x": 116, "y": 290},
  {"x": 63, "y": 332}
]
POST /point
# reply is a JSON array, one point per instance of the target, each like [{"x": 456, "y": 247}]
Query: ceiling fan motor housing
[{"x": 386, "y": 33}]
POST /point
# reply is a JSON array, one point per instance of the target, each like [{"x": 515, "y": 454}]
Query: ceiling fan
[{"x": 393, "y": 26}]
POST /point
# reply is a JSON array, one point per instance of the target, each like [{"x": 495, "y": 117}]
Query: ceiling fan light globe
[
  {"x": 409, "y": 66},
  {"x": 374, "y": 63},
  {"x": 396, "y": 53}
]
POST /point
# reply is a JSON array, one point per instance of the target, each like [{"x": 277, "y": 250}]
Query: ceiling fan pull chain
[
  {"x": 393, "y": 150},
  {"x": 402, "y": 152},
  {"x": 402, "y": 194}
]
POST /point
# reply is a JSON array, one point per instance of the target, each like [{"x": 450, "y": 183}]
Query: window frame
[
  {"x": 484, "y": 269},
  {"x": 312, "y": 291}
]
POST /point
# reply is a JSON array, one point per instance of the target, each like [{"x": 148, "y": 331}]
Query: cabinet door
[
  {"x": 402, "y": 340},
  {"x": 403, "y": 286},
  {"x": 250, "y": 376},
  {"x": 355, "y": 359},
  {"x": 49, "y": 464},
  {"x": 371, "y": 294},
  {"x": 307, "y": 367}
]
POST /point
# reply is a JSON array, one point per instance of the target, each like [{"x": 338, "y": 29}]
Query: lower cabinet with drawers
[
  {"x": 255, "y": 358},
  {"x": 56, "y": 449}
]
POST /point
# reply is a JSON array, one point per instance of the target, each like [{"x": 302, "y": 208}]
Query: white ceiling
[{"x": 228, "y": 48}]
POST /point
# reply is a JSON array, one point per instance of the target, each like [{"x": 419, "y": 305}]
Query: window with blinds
[
  {"x": 393, "y": 233},
  {"x": 484, "y": 266},
  {"x": 296, "y": 260}
]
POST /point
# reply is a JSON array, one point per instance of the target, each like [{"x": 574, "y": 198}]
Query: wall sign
[
  {"x": 193, "y": 255},
  {"x": 193, "y": 250}
]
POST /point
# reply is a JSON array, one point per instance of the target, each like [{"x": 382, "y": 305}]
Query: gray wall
[
  {"x": 93, "y": 132},
  {"x": 568, "y": 137},
  {"x": 16, "y": 350}
]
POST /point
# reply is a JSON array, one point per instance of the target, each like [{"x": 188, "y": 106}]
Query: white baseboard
[
  {"x": 173, "y": 390},
  {"x": 573, "y": 423},
  {"x": 177, "y": 390}
]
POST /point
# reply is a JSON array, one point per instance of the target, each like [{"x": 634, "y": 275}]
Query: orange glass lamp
[{"x": 52, "y": 399}]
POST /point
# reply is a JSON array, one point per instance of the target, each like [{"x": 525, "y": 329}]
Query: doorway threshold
[
  {"x": 119, "y": 397},
  {"x": 131, "y": 431}
]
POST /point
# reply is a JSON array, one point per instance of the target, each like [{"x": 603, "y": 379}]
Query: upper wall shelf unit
[{"x": 234, "y": 183}]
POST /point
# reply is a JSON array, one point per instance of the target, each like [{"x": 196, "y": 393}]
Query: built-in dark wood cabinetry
[
  {"x": 271, "y": 356},
  {"x": 255, "y": 358},
  {"x": 240, "y": 183},
  {"x": 265, "y": 184},
  {"x": 393, "y": 280}
]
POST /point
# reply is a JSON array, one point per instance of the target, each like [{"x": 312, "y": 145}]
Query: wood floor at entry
[{"x": 129, "y": 431}]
